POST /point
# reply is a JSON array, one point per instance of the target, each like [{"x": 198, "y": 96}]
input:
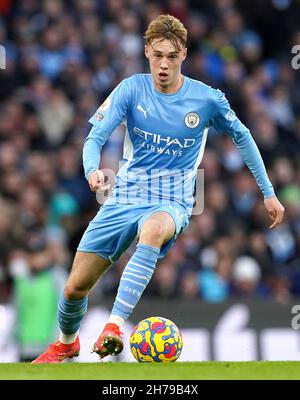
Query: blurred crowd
[{"x": 62, "y": 60}]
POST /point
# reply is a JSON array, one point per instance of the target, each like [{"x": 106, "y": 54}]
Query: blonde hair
[{"x": 167, "y": 27}]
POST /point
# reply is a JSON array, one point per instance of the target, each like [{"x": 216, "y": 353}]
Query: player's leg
[
  {"x": 86, "y": 270},
  {"x": 156, "y": 230}
]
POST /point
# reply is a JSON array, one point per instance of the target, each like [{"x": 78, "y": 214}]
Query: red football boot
[
  {"x": 109, "y": 342},
  {"x": 57, "y": 352}
]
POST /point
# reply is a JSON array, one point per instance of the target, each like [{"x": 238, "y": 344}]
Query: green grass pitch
[{"x": 260, "y": 370}]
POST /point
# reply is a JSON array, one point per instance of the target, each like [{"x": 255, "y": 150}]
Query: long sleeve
[
  {"x": 92, "y": 149},
  {"x": 107, "y": 117},
  {"x": 225, "y": 121}
]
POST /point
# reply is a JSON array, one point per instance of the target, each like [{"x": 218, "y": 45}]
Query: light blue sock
[
  {"x": 70, "y": 314},
  {"x": 135, "y": 278}
]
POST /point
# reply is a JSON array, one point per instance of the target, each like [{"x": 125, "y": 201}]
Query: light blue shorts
[{"x": 115, "y": 226}]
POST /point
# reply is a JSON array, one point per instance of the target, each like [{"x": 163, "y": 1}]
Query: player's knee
[
  {"x": 152, "y": 233},
  {"x": 73, "y": 292}
]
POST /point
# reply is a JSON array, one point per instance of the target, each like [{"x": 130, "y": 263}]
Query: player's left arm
[{"x": 226, "y": 121}]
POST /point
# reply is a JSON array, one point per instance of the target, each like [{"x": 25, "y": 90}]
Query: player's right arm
[{"x": 108, "y": 116}]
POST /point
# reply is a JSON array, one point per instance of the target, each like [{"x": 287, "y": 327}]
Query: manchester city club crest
[{"x": 192, "y": 119}]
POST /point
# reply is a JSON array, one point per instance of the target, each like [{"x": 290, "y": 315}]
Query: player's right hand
[{"x": 97, "y": 181}]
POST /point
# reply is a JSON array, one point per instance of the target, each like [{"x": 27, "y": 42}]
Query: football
[{"x": 156, "y": 339}]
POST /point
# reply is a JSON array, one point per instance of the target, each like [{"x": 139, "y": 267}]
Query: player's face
[{"x": 165, "y": 64}]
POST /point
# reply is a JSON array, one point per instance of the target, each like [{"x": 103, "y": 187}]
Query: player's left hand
[{"x": 275, "y": 210}]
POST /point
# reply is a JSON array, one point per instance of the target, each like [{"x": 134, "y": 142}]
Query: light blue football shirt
[{"x": 165, "y": 140}]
